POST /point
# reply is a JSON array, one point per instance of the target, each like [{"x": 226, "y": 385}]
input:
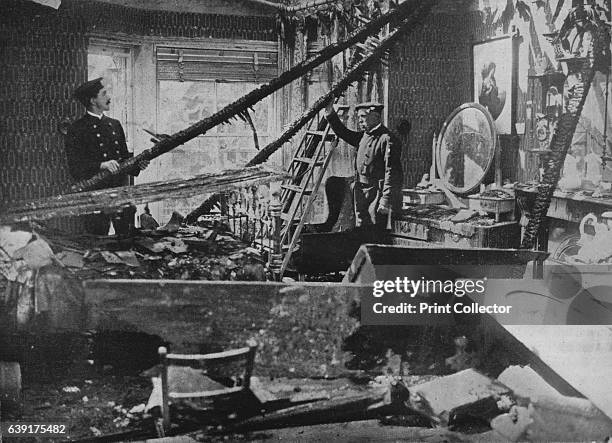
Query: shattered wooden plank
[
  {"x": 444, "y": 397},
  {"x": 116, "y": 198},
  {"x": 281, "y": 393},
  {"x": 327, "y": 411},
  {"x": 255, "y": 96}
]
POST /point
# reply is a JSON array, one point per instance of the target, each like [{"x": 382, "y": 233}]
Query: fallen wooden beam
[
  {"x": 354, "y": 74},
  {"x": 116, "y": 198},
  {"x": 348, "y": 408},
  {"x": 243, "y": 104}
]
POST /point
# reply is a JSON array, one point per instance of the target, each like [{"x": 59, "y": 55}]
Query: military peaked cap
[
  {"x": 88, "y": 90},
  {"x": 370, "y": 106}
]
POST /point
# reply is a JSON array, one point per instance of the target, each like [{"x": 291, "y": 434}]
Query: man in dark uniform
[
  {"x": 95, "y": 143},
  {"x": 378, "y": 169}
]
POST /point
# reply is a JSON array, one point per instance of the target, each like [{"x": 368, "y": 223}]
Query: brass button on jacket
[{"x": 87, "y": 145}]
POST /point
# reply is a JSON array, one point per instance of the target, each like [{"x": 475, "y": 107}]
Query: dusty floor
[
  {"x": 88, "y": 402},
  {"x": 91, "y": 403}
]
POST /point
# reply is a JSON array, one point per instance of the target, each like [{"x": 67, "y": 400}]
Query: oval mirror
[{"x": 466, "y": 148}]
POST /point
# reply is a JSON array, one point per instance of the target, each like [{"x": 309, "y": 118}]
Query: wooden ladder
[{"x": 307, "y": 167}]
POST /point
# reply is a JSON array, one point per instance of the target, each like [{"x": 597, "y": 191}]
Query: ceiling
[
  {"x": 233, "y": 7},
  {"x": 248, "y": 7}
]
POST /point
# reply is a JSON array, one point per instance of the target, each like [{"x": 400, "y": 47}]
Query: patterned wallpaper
[
  {"x": 44, "y": 58},
  {"x": 429, "y": 76}
]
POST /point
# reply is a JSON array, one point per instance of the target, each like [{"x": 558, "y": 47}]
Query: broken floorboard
[
  {"x": 117, "y": 198},
  {"x": 282, "y": 392},
  {"x": 350, "y": 407}
]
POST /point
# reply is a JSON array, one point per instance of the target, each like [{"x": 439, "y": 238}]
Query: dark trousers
[
  {"x": 366, "y": 198},
  {"x": 99, "y": 224}
]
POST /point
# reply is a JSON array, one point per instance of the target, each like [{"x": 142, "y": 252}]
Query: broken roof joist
[
  {"x": 113, "y": 199},
  {"x": 372, "y": 52},
  {"x": 242, "y": 105},
  {"x": 300, "y": 6}
]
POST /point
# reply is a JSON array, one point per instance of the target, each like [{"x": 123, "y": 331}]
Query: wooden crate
[
  {"x": 497, "y": 206},
  {"x": 422, "y": 197}
]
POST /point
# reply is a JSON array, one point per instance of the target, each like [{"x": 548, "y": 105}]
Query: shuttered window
[
  {"x": 194, "y": 83},
  {"x": 257, "y": 62}
]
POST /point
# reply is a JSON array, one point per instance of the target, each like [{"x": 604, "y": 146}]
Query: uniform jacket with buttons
[
  {"x": 378, "y": 159},
  {"x": 91, "y": 141}
]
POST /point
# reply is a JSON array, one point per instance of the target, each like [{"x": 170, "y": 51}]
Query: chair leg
[
  {"x": 250, "y": 363},
  {"x": 165, "y": 407},
  {"x": 159, "y": 428}
]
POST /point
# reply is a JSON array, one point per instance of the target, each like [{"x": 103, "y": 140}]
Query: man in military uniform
[
  {"x": 378, "y": 169},
  {"x": 96, "y": 143}
]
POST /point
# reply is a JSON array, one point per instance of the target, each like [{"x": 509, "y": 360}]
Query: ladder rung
[
  {"x": 308, "y": 160},
  {"x": 285, "y": 217},
  {"x": 296, "y": 188},
  {"x": 330, "y": 135}
]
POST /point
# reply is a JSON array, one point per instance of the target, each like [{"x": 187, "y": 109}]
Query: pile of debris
[
  {"x": 174, "y": 251},
  {"x": 466, "y": 406}
]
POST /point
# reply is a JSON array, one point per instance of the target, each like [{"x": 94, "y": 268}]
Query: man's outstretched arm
[{"x": 349, "y": 136}]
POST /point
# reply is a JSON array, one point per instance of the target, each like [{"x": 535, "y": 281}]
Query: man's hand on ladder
[{"x": 329, "y": 108}]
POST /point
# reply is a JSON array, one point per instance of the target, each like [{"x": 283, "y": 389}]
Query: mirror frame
[{"x": 447, "y": 122}]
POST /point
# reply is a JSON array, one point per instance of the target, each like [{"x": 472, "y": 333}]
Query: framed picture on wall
[{"x": 493, "y": 80}]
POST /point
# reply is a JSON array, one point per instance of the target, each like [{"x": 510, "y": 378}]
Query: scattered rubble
[
  {"x": 464, "y": 406},
  {"x": 169, "y": 252},
  {"x": 462, "y": 358},
  {"x": 71, "y": 389},
  {"x": 468, "y": 392}
]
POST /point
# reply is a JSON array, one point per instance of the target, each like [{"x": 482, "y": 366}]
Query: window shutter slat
[{"x": 257, "y": 64}]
